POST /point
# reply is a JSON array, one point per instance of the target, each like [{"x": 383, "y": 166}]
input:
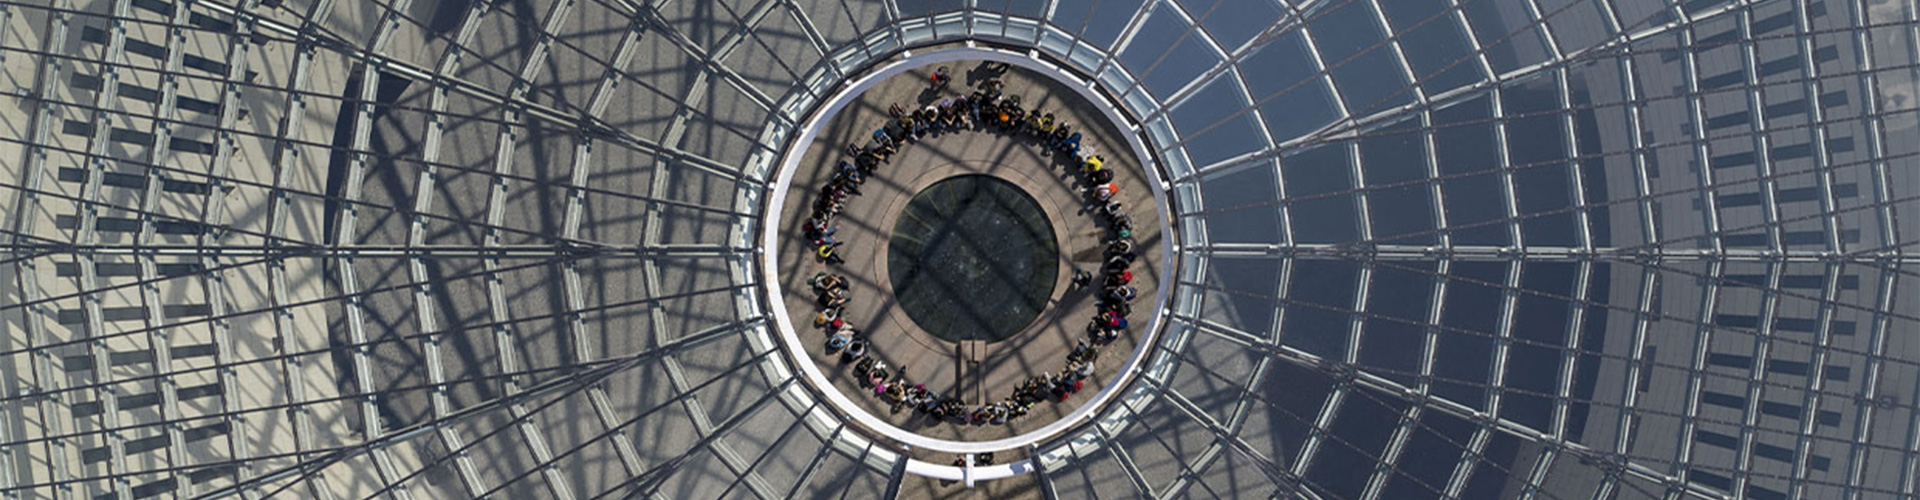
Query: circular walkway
[{"x": 976, "y": 372}]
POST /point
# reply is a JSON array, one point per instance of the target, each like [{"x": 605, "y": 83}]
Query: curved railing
[{"x": 847, "y": 409}]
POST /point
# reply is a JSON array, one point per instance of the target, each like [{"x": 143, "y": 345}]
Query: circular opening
[
  {"x": 802, "y": 165},
  {"x": 973, "y": 258}
]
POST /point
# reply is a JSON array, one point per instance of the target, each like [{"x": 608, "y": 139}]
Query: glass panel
[
  {"x": 1578, "y": 24},
  {"x": 1167, "y": 53},
  {"x": 1464, "y": 145},
  {"x": 1400, "y": 195},
  {"x": 1394, "y": 338},
  {"x": 1234, "y": 22},
  {"x": 1239, "y": 202},
  {"x": 1319, "y": 309},
  {"x": 1293, "y": 396},
  {"x": 1540, "y": 322},
  {"x": 1353, "y": 46},
  {"x": 1433, "y": 449},
  {"x": 1435, "y": 44},
  {"x": 1215, "y": 124},
  {"x": 1470, "y": 314},
  {"x": 1293, "y": 97},
  {"x": 1097, "y": 21},
  {"x": 1251, "y": 285},
  {"x": 1354, "y": 443},
  {"x": 1507, "y": 32},
  {"x": 1320, "y": 197},
  {"x": 916, "y": 8},
  {"x": 1542, "y": 177}
]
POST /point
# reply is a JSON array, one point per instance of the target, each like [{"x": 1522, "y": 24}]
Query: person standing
[{"x": 1081, "y": 278}]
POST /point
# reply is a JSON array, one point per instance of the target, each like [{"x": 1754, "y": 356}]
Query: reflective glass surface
[
  {"x": 1526, "y": 249},
  {"x": 973, "y": 258}
]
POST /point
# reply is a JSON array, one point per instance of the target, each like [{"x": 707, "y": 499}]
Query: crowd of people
[{"x": 986, "y": 108}]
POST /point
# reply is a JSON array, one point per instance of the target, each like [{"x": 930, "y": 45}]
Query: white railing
[{"x": 853, "y": 412}]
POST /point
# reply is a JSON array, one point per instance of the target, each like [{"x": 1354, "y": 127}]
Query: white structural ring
[{"x": 770, "y": 241}]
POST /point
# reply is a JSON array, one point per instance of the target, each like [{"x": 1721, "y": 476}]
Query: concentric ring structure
[
  {"x": 1526, "y": 249},
  {"x": 812, "y": 372}
]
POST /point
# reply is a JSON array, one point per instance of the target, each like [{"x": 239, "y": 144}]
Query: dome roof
[{"x": 1523, "y": 249}]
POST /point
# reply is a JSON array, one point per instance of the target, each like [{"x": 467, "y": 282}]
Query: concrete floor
[{"x": 868, "y": 219}]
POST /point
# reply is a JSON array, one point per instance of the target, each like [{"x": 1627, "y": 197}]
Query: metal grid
[{"x": 1557, "y": 249}]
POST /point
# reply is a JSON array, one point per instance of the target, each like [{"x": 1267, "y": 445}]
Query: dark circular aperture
[{"x": 973, "y": 258}]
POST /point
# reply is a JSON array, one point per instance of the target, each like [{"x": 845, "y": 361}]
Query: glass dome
[{"x": 1526, "y": 249}]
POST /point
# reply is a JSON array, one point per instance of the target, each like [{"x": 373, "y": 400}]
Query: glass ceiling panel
[
  {"x": 1289, "y": 401},
  {"x": 1508, "y": 34},
  {"x": 1213, "y": 375},
  {"x": 1243, "y": 292},
  {"x": 1343, "y": 30},
  {"x": 1470, "y": 320},
  {"x": 1284, "y": 79},
  {"x": 1543, "y": 314},
  {"x": 1577, "y": 24},
  {"x": 1394, "y": 161},
  {"x": 1214, "y": 123},
  {"x": 1247, "y": 186},
  {"x": 1679, "y": 252},
  {"x": 1361, "y": 429},
  {"x": 1435, "y": 438},
  {"x": 1320, "y": 297},
  {"x": 1233, "y": 23},
  {"x": 1543, "y": 179},
  {"x": 1394, "y": 339},
  {"x": 1030, "y": 10},
  {"x": 1473, "y": 188},
  {"x": 1162, "y": 442},
  {"x": 1234, "y": 475},
  {"x": 919, "y": 8},
  {"x": 1098, "y": 22},
  {"x": 1354, "y": 46},
  {"x": 1171, "y": 51},
  {"x": 1321, "y": 200},
  {"x": 1502, "y": 468}
]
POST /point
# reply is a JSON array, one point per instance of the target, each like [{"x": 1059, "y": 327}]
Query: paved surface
[{"x": 867, "y": 220}]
